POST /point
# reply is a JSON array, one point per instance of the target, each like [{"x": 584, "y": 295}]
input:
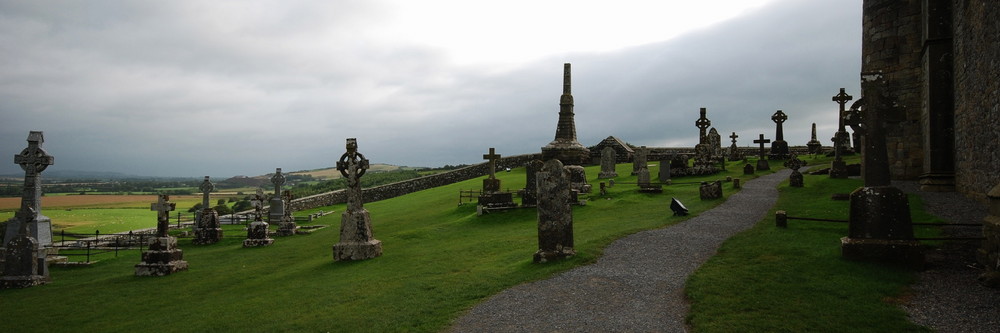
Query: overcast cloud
[{"x": 197, "y": 88}]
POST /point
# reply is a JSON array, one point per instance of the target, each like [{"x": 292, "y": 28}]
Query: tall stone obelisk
[{"x": 565, "y": 148}]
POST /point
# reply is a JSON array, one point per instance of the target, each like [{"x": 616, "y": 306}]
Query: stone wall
[
  {"x": 977, "y": 96},
  {"x": 412, "y": 185},
  {"x": 892, "y": 43}
]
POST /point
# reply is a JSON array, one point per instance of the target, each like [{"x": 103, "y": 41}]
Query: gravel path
[
  {"x": 946, "y": 296},
  {"x": 636, "y": 286}
]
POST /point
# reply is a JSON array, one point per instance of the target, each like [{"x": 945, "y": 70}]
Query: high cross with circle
[
  {"x": 778, "y": 118},
  {"x": 278, "y": 179},
  {"x": 492, "y": 157},
  {"x": 702, "y": 123},
  {"x": 734, "y": 136},
  {"x": 258, "y": 204},
  {"x": 762, "y": 141},
  {"x": 205, "y": 187},
  {"x": 841, "y": 98},
  {"x": 162, "y": 207},
  {"x": 33, "y": 160}
]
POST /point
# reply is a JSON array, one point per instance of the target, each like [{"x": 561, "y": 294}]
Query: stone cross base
[
  {"x": 795, "y": 179},
  {"x": 346, "y": 251},
  {"x": 207, "y": 236},
  {"x": 710, "y": 191},
  {"x": 491, "y": 185},
  {"x": 543, "y": 256},
  {"x": 162, "y": 258},
  {"x": 763, "y": 165},
  {"x": 497, "y": 200},
  {"x": 650, "y": 188},
  {"x": 904, "y": 252},
  {"x": 838, "y": 169},
  {"x": 257, "y": 235},
  {"x": 287, "y": 226},
  {"x": 605, "y": 175},
  {"x": 16, "y": 282}
]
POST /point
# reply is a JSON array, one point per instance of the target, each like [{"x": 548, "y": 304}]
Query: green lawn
[{"x": 439, "y": 260}]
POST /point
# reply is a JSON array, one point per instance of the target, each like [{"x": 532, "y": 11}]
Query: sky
[{"x": 226, "y": 88}]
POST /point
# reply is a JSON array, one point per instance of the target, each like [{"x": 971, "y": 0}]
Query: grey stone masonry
[
  {"x": 33, "y": 160},
  {"x": 565, "y": 147},
  {"x": 640, "y": 160},
  {"x": 989, "y": 253},
  {"x": 257, "y": 231},
  {"x": 287, "y": 225},
  {"x": 555, "y": 213},
  {"x": 779, "y": 148},
  {"x": 207, "y": 230},
  {"x": 608, "y": 161},
  {"x": 162, "y": 257},
  {"x": 24, "y": 260},
  {"x": 277, "y": 212},
  {"x": 356, "y": 239}
]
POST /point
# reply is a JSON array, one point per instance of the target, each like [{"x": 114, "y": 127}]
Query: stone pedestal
[
  {"x": 491, "y": 185},
  {"x": 838, "y": 169},
  {"x": 257, "y": 235},
  {"x": 162, "y": 258},
  {"x": 762, "y": 165},
  {"x": 989, "y": 254},
  {"x": 645, "y": 185},
  {"x": 209, "y": 230},
  {"x": 710, "y": 191},
  {"x": 24, "y": 264},
  {"x": 497, "y": 200},
  {"x": 276, "y": 211},
  {"x": 880, "y": 228},
  {"x": 779, "y": 150},
  {"x": 356, "y": 241},
  {"x": 287, "y": 226}
]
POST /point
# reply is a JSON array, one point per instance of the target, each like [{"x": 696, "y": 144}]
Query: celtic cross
[
  {"x": 702, "y": 123},
  {"x": 33, "y": 160},
  {"x": 205, "y": 187},
  {"x": 352, "y": 165},
  {"x": 162, "y": 207},
  {"x": 779, "y": 118},
  {"x": 278, "y": 179}
]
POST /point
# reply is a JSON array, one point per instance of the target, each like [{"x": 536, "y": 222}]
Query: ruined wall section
[
  {"x": 892, "y": 43},
  {"x": 977, "y": 96}
]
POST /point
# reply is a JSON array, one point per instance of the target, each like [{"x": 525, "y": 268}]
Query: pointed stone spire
[{"x": 565, "y": 147}]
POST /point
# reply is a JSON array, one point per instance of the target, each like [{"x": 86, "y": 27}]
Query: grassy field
[
  {"x": 439, "y": 259},
  {"x": 770, "y": 279}
]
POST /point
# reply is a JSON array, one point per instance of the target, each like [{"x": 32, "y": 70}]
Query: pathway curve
[{"x": 636, "y": 286}]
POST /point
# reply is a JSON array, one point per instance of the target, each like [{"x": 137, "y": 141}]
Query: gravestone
[
  {"x": 714, "y": 141},
  {"x": 736, "y": 183},
  {"x": 287, "y": 225},
  {"x": 815, "y": 147},
  {"x": 578, "y": 179},
  {"x": 33, "y": 160},
  {"x": 555, "y": 214},
  {"x": 640, "y": 160},
  {"x": 530, "y": 196},
  {"x": 710, "y": 190},
  {"x": 794, "y": 163},
  {"x": 257, "y": 230},
  {"x": 762, "y": 159},
  {"x": 779, "y": 148},
  {"x": 277, "y": 210},
  {"x": 645, "y": 185},
  {"x": 734, "y": 151},
  {"x": 162, "y": 257},
  {"x": 679, "y": 162},
  {"x": 608, "y": 161},
  {"x": 838, "y": 169},
  {"x": 748, "y": 169},
  {"x": 664, "y": 173},
  {"x": 208, "y": 229},
  {"x": 356, "y": 239},
  {"x": 565, "y": 147},
  {"x": 492, "y": 197},
  {"x": 880, "y": 225},
  {"x": 702, "y": 123},
  {"x": 24, "y": 259}
]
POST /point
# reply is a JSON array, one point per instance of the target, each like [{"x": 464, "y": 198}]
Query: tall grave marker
[
  {"x": 257, "y": 230},
  {"x": 608, "y": 160},
  {"x": 277, "y": 210},
  {"x": 841, "y": 140},
  {"x": 762, "y": 157},
  {"x": 734, "y": 151},
  {"x": 815, "y": 147},
  {"x": 779, "y": 148},
  {"x": 208, "y": 230},
  {"x": 565, "y": 147},
  {"x": 492, "y": 197},
  {"x": 555, "y": 214},
  {"x": 287, "y": 225},
  {"x": 28, "y": 233},
  {"x": 356, "y": 239},
  {"x": 880, "y": 225},
  {"x": 163, "y": 257}
]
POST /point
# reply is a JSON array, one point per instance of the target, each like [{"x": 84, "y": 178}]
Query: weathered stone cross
[
  {"x": 278, "y": 179},
  {"x": 258, "y": 204},
  {"x": 779, "y": 118},
  {"x": 206, "y": 187},
  {"x": 33, "y": 160},
  {"x": 841, "y": 98},
  {"x": 162, "y": 207},
  {"x": 762, "y": 141},
  {"x": 794, "y": 163},
  {"x": 492, "y": 157},
  {"x": 702, "y": 123},
  {"x": 734, "y": 136}
]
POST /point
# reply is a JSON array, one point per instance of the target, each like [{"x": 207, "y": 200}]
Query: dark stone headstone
[
  {"x": 779, "y": 148},
  {"x": 578, "y": 179},
  {"x": 257, "y": 230},
  {"x": 640, "y": 160},
  {"x": 608, "y": 161},
  {"x": 208, "y": 229},
  {"x": 794, "y": 163},
  {"x": 555, "y": 214},
  {"x": 814, "y": 146},
  {"x": 530, "y": 196},
  {"x": 645, "y": 185},
  {"x": 277, "y": 210},
  {"x": 748, "y": 169},
  {"x": 664, "y": 173},
  {"x": 356, "y": 239},
  {"x": 287, "y": 225},
  {"x": 33, "y": 160},
  {"x": 710, "y": 191}
]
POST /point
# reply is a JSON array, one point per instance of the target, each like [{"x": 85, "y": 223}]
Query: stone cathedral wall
[{"x": 977, "y": 96}]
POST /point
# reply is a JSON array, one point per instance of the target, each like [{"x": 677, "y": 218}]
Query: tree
[
  {"x": 242, "y": 205},
  {"x": 195, "y": 208},
  {"x": 223, "y": 209}
]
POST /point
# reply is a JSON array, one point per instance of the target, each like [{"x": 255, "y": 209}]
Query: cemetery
[{"x": 769, "y": 235}]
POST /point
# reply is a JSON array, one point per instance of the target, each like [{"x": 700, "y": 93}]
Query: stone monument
[
  {"x": 640, "y": 160},
  {"x": 565, "y": 147},
  {"x": 277, "y": 210},
  {"x": 794, "y": 163},
  {"x": 645, "y": 185},
  {"x": 24, "y": 260},
  {"x": 555, "y": 214},
  {"x": 663, "y": 175},
  {"x": 208, "y": 230},
  {"x": 529, "y": 197},
  {"x": 710, "y": 191},
  {"x": 748, "y": 169},
  {"x": 578, "y": 179},
  {"x": 880, "y": 225},
  {"x": 779, "y": 148},
  {"x": 163, "y": 257},
  {"x": 702, "y": 123},
  {"x": 33, "y": 160},
  {"x": 608, "y": 161},
  {"x": 287, "y": 225},
  {"x": 257, "y": 230},
  {"x": 714, "y": 141},
  {"x": 762, "y": 158},
  {"x": 815, "y": 147},
  {"x": 841, "y": 140},
  {"x": 734, "y": 151},
  {"x": 356, "y": 239},
  {"x": 492, "y": 197}
]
